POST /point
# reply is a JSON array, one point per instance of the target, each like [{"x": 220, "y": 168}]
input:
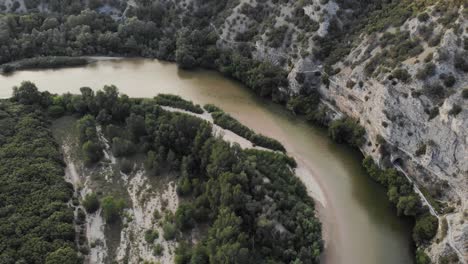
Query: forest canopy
[{"x": 256, "y": 209}]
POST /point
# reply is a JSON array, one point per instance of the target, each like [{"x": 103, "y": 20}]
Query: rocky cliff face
[{"x": 405, "y": 83}]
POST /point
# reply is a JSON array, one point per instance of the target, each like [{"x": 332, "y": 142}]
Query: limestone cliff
[{"x": 404, "y": 83}]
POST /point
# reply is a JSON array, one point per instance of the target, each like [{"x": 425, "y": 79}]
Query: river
[{"x": 360, "y": 226}]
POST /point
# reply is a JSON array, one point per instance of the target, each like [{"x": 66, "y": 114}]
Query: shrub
[
  {"x": 151, "y": 235},
  {"x": 169, "y": 230},
  {"x": 91, "y": 203},
  {"x": 460, "y": 63},
  {"x": 456, "y": 109},
  {"x": 158, "y": 250},
  {"x": 449, "y": 81},
  {"x": 402, "y": 75},
  {"x": 435, "y": 91},
  {"x": 464, "y": 93},
  {"x": 422, "y": 257},
  {"x": 427, "y": 71},
  {"x": 421, "y": 150},
  {"x": 56, "y": 111},
  {"x": 423, "y": 17}
]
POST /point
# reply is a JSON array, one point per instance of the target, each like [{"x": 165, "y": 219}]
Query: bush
[
  {"x": 427, "y": 71},
  {"x": 449, "y": 81},
  {"x": 402, "y": 75},
  {"x": 421, "y": 150},
  {"x": 158, "y": 250},
  {"x": 465, "y": 93},
  {"x": 423, "y": 17},
  {"x": 169, "y": 230},
  {"x": 422, "y": 257},
  {"x": 456, "y": 109},
  {"x": 91, "y": 203},
  {"x": 151, "y": 235},
  {"x": 56, "y": 111},
  {"x": 434, "y": 91},
  {"x": 461, "y": 63}
]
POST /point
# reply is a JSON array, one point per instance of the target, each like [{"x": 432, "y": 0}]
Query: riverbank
[{"x": 46, "y": 62}]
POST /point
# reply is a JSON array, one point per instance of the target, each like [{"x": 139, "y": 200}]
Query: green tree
[
  {"x": 91, "y": 203},
  {"x": 64, "y": 255},
  {"x": 425, "y": 228},
  {"x": 112, "y": 208},
  {"x": 27, "y": 93}
]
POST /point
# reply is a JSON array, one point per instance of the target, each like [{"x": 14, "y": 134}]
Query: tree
[
  {"x": 112, "y": 208},
  {"x": 184, "y": 217},
  {"x": 92, "y": 152},
  {"x": 136, "y": 126},
  {"x": 91, "y": 203},
  {"x": 64, "y": 255},
  {"x": 422, "y": 257},
  {"x": 226, "y": 242},
  {"x": 425, "y": 228},
  {"x": 27, "y": 93},
  {"x": 408, "y": 205}
]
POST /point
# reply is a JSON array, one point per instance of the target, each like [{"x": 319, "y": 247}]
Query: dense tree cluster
[
  {"x": 256, "y": 209},
  {"x": 36, "y": 224}
]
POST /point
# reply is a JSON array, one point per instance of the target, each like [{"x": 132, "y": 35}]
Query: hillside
[{"x": 399, "y": 68}]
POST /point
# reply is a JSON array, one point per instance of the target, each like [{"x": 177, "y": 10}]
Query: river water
[{"x": 360, "y": 226}]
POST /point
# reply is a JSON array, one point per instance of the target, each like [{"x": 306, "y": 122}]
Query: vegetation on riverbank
[
  {"x": 226, "y": 121},
  {"x": 177, "y": 102},
  {"x": 401, "y": 194},
  {"x": 49, "y": 62},
  {"x": 36, "y": 224},
  {"x": 256, "y": 209}
]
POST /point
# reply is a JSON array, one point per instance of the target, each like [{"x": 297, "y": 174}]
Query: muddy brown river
[{"x": 360, "y": 226}]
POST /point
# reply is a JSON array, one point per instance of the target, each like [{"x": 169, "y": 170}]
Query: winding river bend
[{"x": 360, "y": 226}]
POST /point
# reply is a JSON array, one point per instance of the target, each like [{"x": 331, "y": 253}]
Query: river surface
[{"x": 360, "y": 226}]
